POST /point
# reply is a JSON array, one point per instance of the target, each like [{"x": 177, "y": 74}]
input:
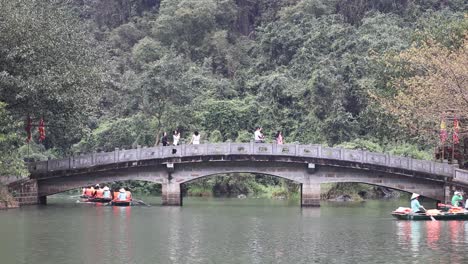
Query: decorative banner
[
  {"x": 41, "y": 130},
  {"x": 456, "y": 129},
  {"x": 28, "y": 129},
  {"x": 443, "y": 131}
]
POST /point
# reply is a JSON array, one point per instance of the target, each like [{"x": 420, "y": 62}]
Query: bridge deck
[{"x": 317, "y": 153}]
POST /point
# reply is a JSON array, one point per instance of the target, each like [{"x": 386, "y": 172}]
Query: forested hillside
[{"x": 117, "y": 73}]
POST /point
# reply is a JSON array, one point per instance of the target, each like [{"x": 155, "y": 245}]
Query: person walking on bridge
[
  {"x": 416, "y": 207},
  {"x": 258, "y": 135}
]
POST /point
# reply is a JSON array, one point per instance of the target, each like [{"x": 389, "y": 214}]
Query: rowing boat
[
  {"x": 121, "y": 203},
  {"x": 443, "y": 216},
  {"x": 404, "y": 213}
]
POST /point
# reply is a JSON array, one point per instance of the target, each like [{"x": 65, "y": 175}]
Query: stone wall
[
  {"x": 24, "y": 191},
  {"x": 6, "y": 199}
]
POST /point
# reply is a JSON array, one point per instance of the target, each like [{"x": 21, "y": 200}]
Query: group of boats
[
  {"x": 443, "y": 212},
  {"x": 119, "y": 197}
]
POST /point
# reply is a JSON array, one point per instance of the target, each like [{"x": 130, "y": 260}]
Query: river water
[{"x": 225, "y": 231}]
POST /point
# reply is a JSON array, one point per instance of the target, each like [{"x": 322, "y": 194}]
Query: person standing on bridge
[
  {"x": 279, "y": 138},
  {"x": 164, "y": 140},
  {"x": 195, "y": 138},
  {"x": 258, "y": 135},
  {"x": 176, "y": 137},
  {"x": 416, "y": 207}
]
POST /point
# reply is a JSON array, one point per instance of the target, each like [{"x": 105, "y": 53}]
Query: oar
[
  {"x": 141, "y": 202},
  {"x": 432, "y": 218}
]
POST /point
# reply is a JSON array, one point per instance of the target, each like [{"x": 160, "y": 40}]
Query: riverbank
[
  {"x": 287, "y": 190},
  {"x": 6, "y": 199}
]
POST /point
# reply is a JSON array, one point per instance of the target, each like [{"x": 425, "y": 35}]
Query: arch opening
[
  {"x": 241, "y": 185},
  {"x": 140, "y": 189}
]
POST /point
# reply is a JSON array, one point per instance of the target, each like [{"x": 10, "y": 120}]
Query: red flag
[
  {"x": 456, "y": 128},
  {"x": 41, "y": 130},
  {"x": 443, "y": 131},
  {"x": 28, "y": 129}
]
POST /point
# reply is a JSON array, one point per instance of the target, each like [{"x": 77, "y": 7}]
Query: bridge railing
[
  {"x": 255, "y": 149},
  {"x": 461, "y": 175}
]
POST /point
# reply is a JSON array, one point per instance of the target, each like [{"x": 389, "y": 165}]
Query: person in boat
[
  {"x": 416, "y": 207},
  {"x": 122, "y": 195},
  {"x": 89, "y": 192},
  {"x": 98, "y": 193},
  {"x": 457, "y": 199},
  {"x": 115, "y": 194},
  {"x": 129, "y": 195},
  {"x": 106, "y": 193}
]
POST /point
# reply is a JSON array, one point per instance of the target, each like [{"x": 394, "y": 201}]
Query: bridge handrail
[{"x": 231, "y": 148}]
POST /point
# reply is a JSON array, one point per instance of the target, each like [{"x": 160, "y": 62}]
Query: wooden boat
[
  {"x": 443, "y": 216},
  {"x": 99, "y": 200},
  {"x": 404, "y": 213},
  {"x": 121, "y": 203}
]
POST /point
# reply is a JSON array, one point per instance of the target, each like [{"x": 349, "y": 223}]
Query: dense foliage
[{"x": 108, "y": 74}]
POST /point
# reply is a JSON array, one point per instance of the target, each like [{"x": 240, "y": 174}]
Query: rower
[
  {"x": 106, "y": 193},
  {"x": 89, "y": 191},
  {"x": 99, "y": 192},
  {"x": 129, "y": 195},
  {"x": 457, "y": 199},
  {"x": 416, "y": 207}
]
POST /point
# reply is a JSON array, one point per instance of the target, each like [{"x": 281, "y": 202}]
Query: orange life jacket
[
  {"x": 129, "y": 195},
  {"x": 89, "y": 192},
  {"x": 99, "y": 193},
  {"x": 116, "y": 194}
]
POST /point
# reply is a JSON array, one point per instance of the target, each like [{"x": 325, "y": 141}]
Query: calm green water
[{"x": 225, "y": 231}]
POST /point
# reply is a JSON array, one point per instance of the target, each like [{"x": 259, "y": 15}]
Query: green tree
[
  {"x": 49, "y": 67},
  {"x": 11, "y": 163}
]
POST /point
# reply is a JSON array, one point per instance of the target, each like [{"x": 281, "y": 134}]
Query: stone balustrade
[{"x": 316, "y": 152}]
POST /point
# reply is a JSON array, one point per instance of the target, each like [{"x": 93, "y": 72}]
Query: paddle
[
  {"x": 141, "y": 202},
  {"x": 432, "y": 218}
]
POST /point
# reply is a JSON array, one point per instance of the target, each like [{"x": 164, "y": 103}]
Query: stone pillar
[
  {"x": 447, "y": 199},
  {"x": 171, "y": 194},
  {"x": 43, "y": 200},
  {"x": 310, "y": 194},
  {"x": 25, "y": 191}
]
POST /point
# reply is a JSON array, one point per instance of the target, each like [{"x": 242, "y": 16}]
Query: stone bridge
[{"x": 308, "y": 165}]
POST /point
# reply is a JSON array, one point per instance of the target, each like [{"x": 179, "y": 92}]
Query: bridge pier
[
  {"x": 25, "y": 191},
  {"x": 310, "y": 194},
  {"x": 42, "y": 200},
  {"x": 171, "y": 194}
]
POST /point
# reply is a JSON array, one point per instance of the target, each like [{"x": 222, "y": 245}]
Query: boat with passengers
[
  {"x": 120, "y": 197},
  {"x": 454, "y": 213}
]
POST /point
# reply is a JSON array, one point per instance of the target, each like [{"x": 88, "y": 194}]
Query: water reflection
[
  {"x": 443, "y": 238},
  {"x": 121, "y": 237},
  {"x": 313, "y": 212},
  {"x": 255, "y": 242},
  {"x": 174, "y": 239},
  {"x": 226, "y": 231},
  {"x": 433, "y": 234}
]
